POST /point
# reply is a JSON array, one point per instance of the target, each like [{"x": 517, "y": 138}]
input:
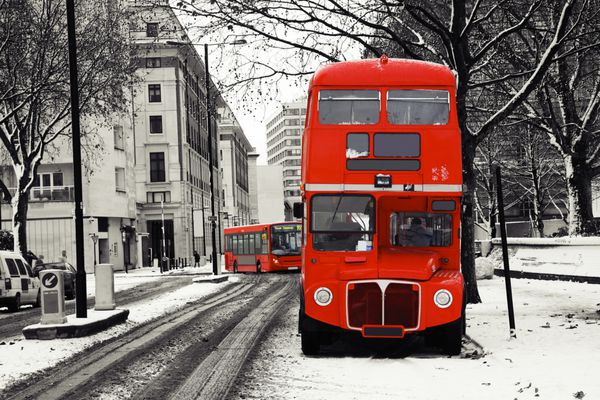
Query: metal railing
[{"x": 54, "y": 193}]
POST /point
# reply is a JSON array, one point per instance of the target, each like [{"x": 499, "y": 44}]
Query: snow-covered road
[{"x": 555, "y": 355}]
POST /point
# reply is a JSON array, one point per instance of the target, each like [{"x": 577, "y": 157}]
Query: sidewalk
[{"x": 205, "y": 269}]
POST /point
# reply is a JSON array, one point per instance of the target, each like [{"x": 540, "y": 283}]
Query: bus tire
[
  {"x": 310, "y": 342},
  {"x": 451, "y": 338},
  {"x": 235, "y": 270},
  {"x": 258, "y": 268}
]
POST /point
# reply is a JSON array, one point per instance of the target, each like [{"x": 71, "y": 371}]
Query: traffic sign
[{"x": 50, "y": 280}]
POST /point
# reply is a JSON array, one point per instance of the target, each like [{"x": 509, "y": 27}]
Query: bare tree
[
  {"x": 463, "y": 35},
  {"x": 536, "y": 171},
  {"x": 567, "y": 108},
  {"x": 34, "y": 86}
]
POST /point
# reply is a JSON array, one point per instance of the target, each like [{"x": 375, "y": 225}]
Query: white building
[
  {"x": 284, "y": 147},
  {"x": 233, "y": 156},
  {"x": 270, "y": 193},
  {"x": 253, "y": 187},
  {"x": 108, "y": 199},
  {"x": 171, "y": 138}
]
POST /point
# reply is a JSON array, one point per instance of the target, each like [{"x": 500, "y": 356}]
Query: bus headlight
[
  {"x": 323, "y": 296},
  {"x": 442, "y": 298}
]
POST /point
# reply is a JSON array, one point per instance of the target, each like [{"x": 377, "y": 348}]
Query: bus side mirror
[{"x": 299, "y": 210}]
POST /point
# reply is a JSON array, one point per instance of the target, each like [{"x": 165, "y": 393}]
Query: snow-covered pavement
[{"x": 555, "y": 355}]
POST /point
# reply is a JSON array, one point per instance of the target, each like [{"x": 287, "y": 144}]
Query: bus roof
[{"x": 384, "y": 72}]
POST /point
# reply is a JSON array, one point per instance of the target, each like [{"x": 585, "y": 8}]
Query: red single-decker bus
[
  {"x": 263, "y": 247},
  {"x": 381, "y": 185}
]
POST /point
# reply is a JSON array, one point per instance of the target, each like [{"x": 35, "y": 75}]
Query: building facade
[
  {"x": 284, "y": 147},
  {"x": 233, "y": 157},
  {"x": 172, "y": 154},
  {"x": 110, "y": 230},
  {"x": 270, "y": 193},
  {"x": 147, "y": 187}
]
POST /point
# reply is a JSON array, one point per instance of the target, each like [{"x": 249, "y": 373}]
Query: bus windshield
[
  {"x": 342, "y": 222},
  {"x": 418, "y": 229},
  {"x": 286, "y": 239}
]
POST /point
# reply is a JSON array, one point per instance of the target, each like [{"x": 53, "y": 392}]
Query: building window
[
  {"x": 102, "y": 224},
  {"x": 118, "y": 134},
  {"x": 154, "y": 93},
  {"x": 120, "y": 179},
  {"x": 157, "y": 197},
  {"x": 153, "y": 62},
  {"x": 156, "y": 124},
  {"x": 152, "y": 29},
  {"x": 157, "y": 167}
]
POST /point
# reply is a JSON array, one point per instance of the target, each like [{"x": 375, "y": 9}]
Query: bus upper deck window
[
  {"x": 418, "y": 107},
  {"x": 349, "y": 107},
  {"x": 357, "y": 145}
]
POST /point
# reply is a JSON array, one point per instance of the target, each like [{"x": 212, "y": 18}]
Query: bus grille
[{"x": 367, "y": 305}]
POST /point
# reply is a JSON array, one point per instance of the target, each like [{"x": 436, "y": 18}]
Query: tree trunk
[
  {"x": 20, "y": 205},
  {"x": 579, "y": 189},
  {"x": 467, "y": 258}
]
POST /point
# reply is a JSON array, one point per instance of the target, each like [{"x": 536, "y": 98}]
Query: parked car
[
  {"x": 18, "y": 284},
  {"x": 68, "y": 275}
]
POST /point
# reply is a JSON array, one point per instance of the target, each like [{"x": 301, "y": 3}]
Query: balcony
[{"x": 46, "y": 194}]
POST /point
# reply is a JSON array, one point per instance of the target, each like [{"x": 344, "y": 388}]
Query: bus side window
[
  {"x": 234, "y": 248},
  {"x": 258, "y": 243},
  {"x": 246, "y": 246},
  {"x": 251, "y": 246}
]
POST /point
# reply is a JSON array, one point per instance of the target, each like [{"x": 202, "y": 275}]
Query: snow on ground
[
  {"x": 564, "y": 256},
  {"x": 20, "y": 357},
  {"x": 554, "y": 356}
]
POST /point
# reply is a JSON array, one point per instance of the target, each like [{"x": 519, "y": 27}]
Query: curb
[
  {"x": 549, "y": 277},
  {"x": 211, "y": 279},
  {"x": 71, "y": 330}
]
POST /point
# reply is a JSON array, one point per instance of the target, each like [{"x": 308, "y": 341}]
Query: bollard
[
  {"x": 105, "y": 287},
  {"x": 53, "y": 297}
]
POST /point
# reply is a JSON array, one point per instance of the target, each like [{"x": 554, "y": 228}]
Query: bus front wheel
[
  {"x": 451, "y": 338},
  {"x": 310, "y": 342}
]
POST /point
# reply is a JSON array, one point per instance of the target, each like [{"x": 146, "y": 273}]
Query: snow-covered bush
[{"x": 484, "y": 268}]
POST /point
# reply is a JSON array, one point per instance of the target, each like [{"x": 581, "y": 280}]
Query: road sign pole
[{"x": 509, "y": 298}]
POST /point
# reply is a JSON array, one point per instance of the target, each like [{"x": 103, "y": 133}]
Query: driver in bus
[
  {"x": 348, "y": 233},
  {"x": 417, "y": 235}
]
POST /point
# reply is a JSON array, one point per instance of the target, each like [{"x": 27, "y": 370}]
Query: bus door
[{"x": 246, "y": 259}]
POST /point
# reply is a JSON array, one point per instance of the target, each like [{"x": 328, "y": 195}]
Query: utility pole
[{"x": 80, "y": 280}]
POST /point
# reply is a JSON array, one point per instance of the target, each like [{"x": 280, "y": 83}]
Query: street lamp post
[
  {"x": 212, "y": 218},
  {"x": 213, "y": 223},
  {"x": 80, "y": 280},
  {"x": 164, "y": 247}
]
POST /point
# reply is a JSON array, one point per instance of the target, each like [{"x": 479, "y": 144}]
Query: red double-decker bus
[
  {"x": 382, "y": 183},
  {"x": 263, "y": 248}
]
